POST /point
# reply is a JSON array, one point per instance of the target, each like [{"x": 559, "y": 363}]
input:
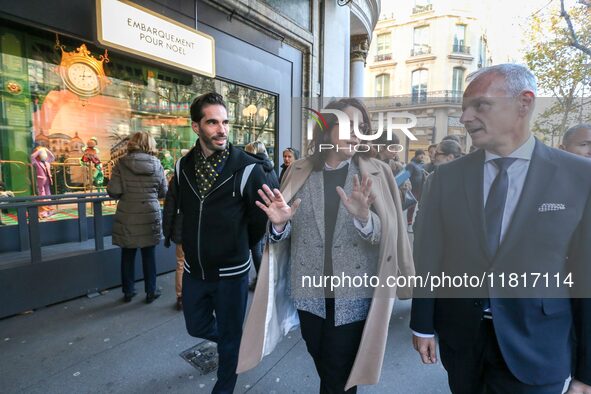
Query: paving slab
[{"x": 102, "y": 345}]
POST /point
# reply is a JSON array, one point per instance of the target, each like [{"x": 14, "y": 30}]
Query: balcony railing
[
  {"x": 439, "y": 96},
  {"x": 457, "y": 48},
  {"x": 420, "y": 50},
  {"x": 422, "y": 8},
  {"x": 419, "y": 98},
  {"x": 422, "y": 97},
  {"x": 383, "y": 57}
]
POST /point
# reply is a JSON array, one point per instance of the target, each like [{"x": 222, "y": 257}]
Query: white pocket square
[{"x": 551, "y": 206}]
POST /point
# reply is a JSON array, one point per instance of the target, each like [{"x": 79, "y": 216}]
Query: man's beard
[{"x": 209, "y": 144}]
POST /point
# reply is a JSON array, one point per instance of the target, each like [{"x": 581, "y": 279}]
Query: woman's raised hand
[
  {"x": 361, "y": 198},
  {"x": 276, "y": 208}
]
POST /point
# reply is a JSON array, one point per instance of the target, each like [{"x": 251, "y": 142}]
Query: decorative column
[{"x": 359, "y": 50}]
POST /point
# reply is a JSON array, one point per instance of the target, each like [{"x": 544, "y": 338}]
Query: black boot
[{"x": 150, "y": 297}]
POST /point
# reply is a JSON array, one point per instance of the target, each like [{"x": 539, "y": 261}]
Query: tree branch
[{"x": 575, "y": 42}]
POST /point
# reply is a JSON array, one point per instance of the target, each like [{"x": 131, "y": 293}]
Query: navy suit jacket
[{"x": 544, "y": 335}]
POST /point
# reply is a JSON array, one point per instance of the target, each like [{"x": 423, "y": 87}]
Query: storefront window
[{"x": 36, "y": 108}]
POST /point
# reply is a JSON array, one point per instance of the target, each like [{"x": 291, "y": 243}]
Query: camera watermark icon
[{"x": 391, "y": 119}]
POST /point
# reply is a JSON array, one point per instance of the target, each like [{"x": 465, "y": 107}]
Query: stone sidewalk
[{"x": 101, "y": 345}]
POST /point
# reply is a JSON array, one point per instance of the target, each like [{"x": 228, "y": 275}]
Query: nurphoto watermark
[{"x": 387, "y": 123}]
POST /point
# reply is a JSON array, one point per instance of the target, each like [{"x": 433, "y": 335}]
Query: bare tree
[
  {"x": 561, "y": 71},
  {"x": 575, "y": 40}
]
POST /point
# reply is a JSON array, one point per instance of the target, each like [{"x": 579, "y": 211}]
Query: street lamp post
[{"x": 250, "y": 113}]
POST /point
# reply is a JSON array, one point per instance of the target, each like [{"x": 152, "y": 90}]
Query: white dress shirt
[
  {"x": 338, "y": 167},
  {"x": 516, "y": 174}
]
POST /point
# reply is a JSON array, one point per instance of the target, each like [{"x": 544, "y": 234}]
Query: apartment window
[
  {"x": 459, "y": 44},
  {"x": 384, "y": 51},
  {"x": 457, "y": 85},
  {"x": 420, "y": 41},
  {"x": 382, "y": 85},
  {"x": 419, "y": 85}
]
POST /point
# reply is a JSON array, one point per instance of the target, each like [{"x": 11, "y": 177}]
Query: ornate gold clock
[{"x": 82, "y": 73}]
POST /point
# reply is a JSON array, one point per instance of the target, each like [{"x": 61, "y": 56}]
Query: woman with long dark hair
[{"x": 337, "y": 215}]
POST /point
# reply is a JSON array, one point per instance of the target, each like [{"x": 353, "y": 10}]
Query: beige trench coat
[{"x": 270, "y": 317}]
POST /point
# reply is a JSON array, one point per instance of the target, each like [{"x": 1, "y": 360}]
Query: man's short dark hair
[
  {"x": 203, "y": 101},
  {"x": 419, "y": 152},
  {"x": 452, "y": 137},
  {"x": 572, "y": 130},
  {"x": 450, "y": 147},
  {"x": 431, "y": 147}
]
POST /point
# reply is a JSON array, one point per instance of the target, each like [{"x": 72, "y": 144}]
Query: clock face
[{"x": 83, "y": 79}]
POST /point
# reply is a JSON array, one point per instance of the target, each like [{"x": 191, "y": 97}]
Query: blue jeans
[
  {"x": 128, "y": 269},
  {"x": 227, "y": 299}
]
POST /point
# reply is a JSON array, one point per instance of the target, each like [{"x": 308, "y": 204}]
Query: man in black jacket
[{"x": 214, "y": 189}]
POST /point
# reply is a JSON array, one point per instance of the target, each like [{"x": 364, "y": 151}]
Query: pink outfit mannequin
[
  {"x": 41, "y": 159},
  {"x": 43, "y": 170}
]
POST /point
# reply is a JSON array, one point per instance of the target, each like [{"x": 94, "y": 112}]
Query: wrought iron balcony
[
  {"x": 420, "y": 49},
  {"x": 438, "y": 96},
  {"x": 422, "y": 8},
  {"x": 383, "y": 57},
  {"x": 421, "y": 97},
  {"x": 458, "y": 48}
]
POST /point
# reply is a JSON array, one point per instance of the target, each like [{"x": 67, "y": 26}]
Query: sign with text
[{"x": 131, "y": 28}]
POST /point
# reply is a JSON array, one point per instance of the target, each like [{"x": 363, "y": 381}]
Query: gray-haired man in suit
[{"x": 515, "y": 205}]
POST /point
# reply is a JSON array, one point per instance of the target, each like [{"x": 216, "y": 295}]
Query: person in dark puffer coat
[
  {"x": 138, "y": 181},
  {"x": 257, "y": 148},
  {"x": 172, "y": 227}
]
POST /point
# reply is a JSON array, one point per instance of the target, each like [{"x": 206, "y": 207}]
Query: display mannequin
[
  {"x": 41, "y": 159},
  {"x": 4, "y": 195},
  {"x": 89, "y": 157},
  {"x": 90, "y": 153},
  {"x": 167, "y": 163}
]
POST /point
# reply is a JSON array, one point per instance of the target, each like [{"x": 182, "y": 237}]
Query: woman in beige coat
[{"x": 344, "y": 221}]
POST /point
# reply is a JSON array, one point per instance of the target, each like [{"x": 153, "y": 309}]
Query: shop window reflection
[{"x": 139, "y": 97}]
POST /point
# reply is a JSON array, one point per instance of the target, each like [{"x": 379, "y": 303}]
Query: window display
[{"x": 84, "y": 116}]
